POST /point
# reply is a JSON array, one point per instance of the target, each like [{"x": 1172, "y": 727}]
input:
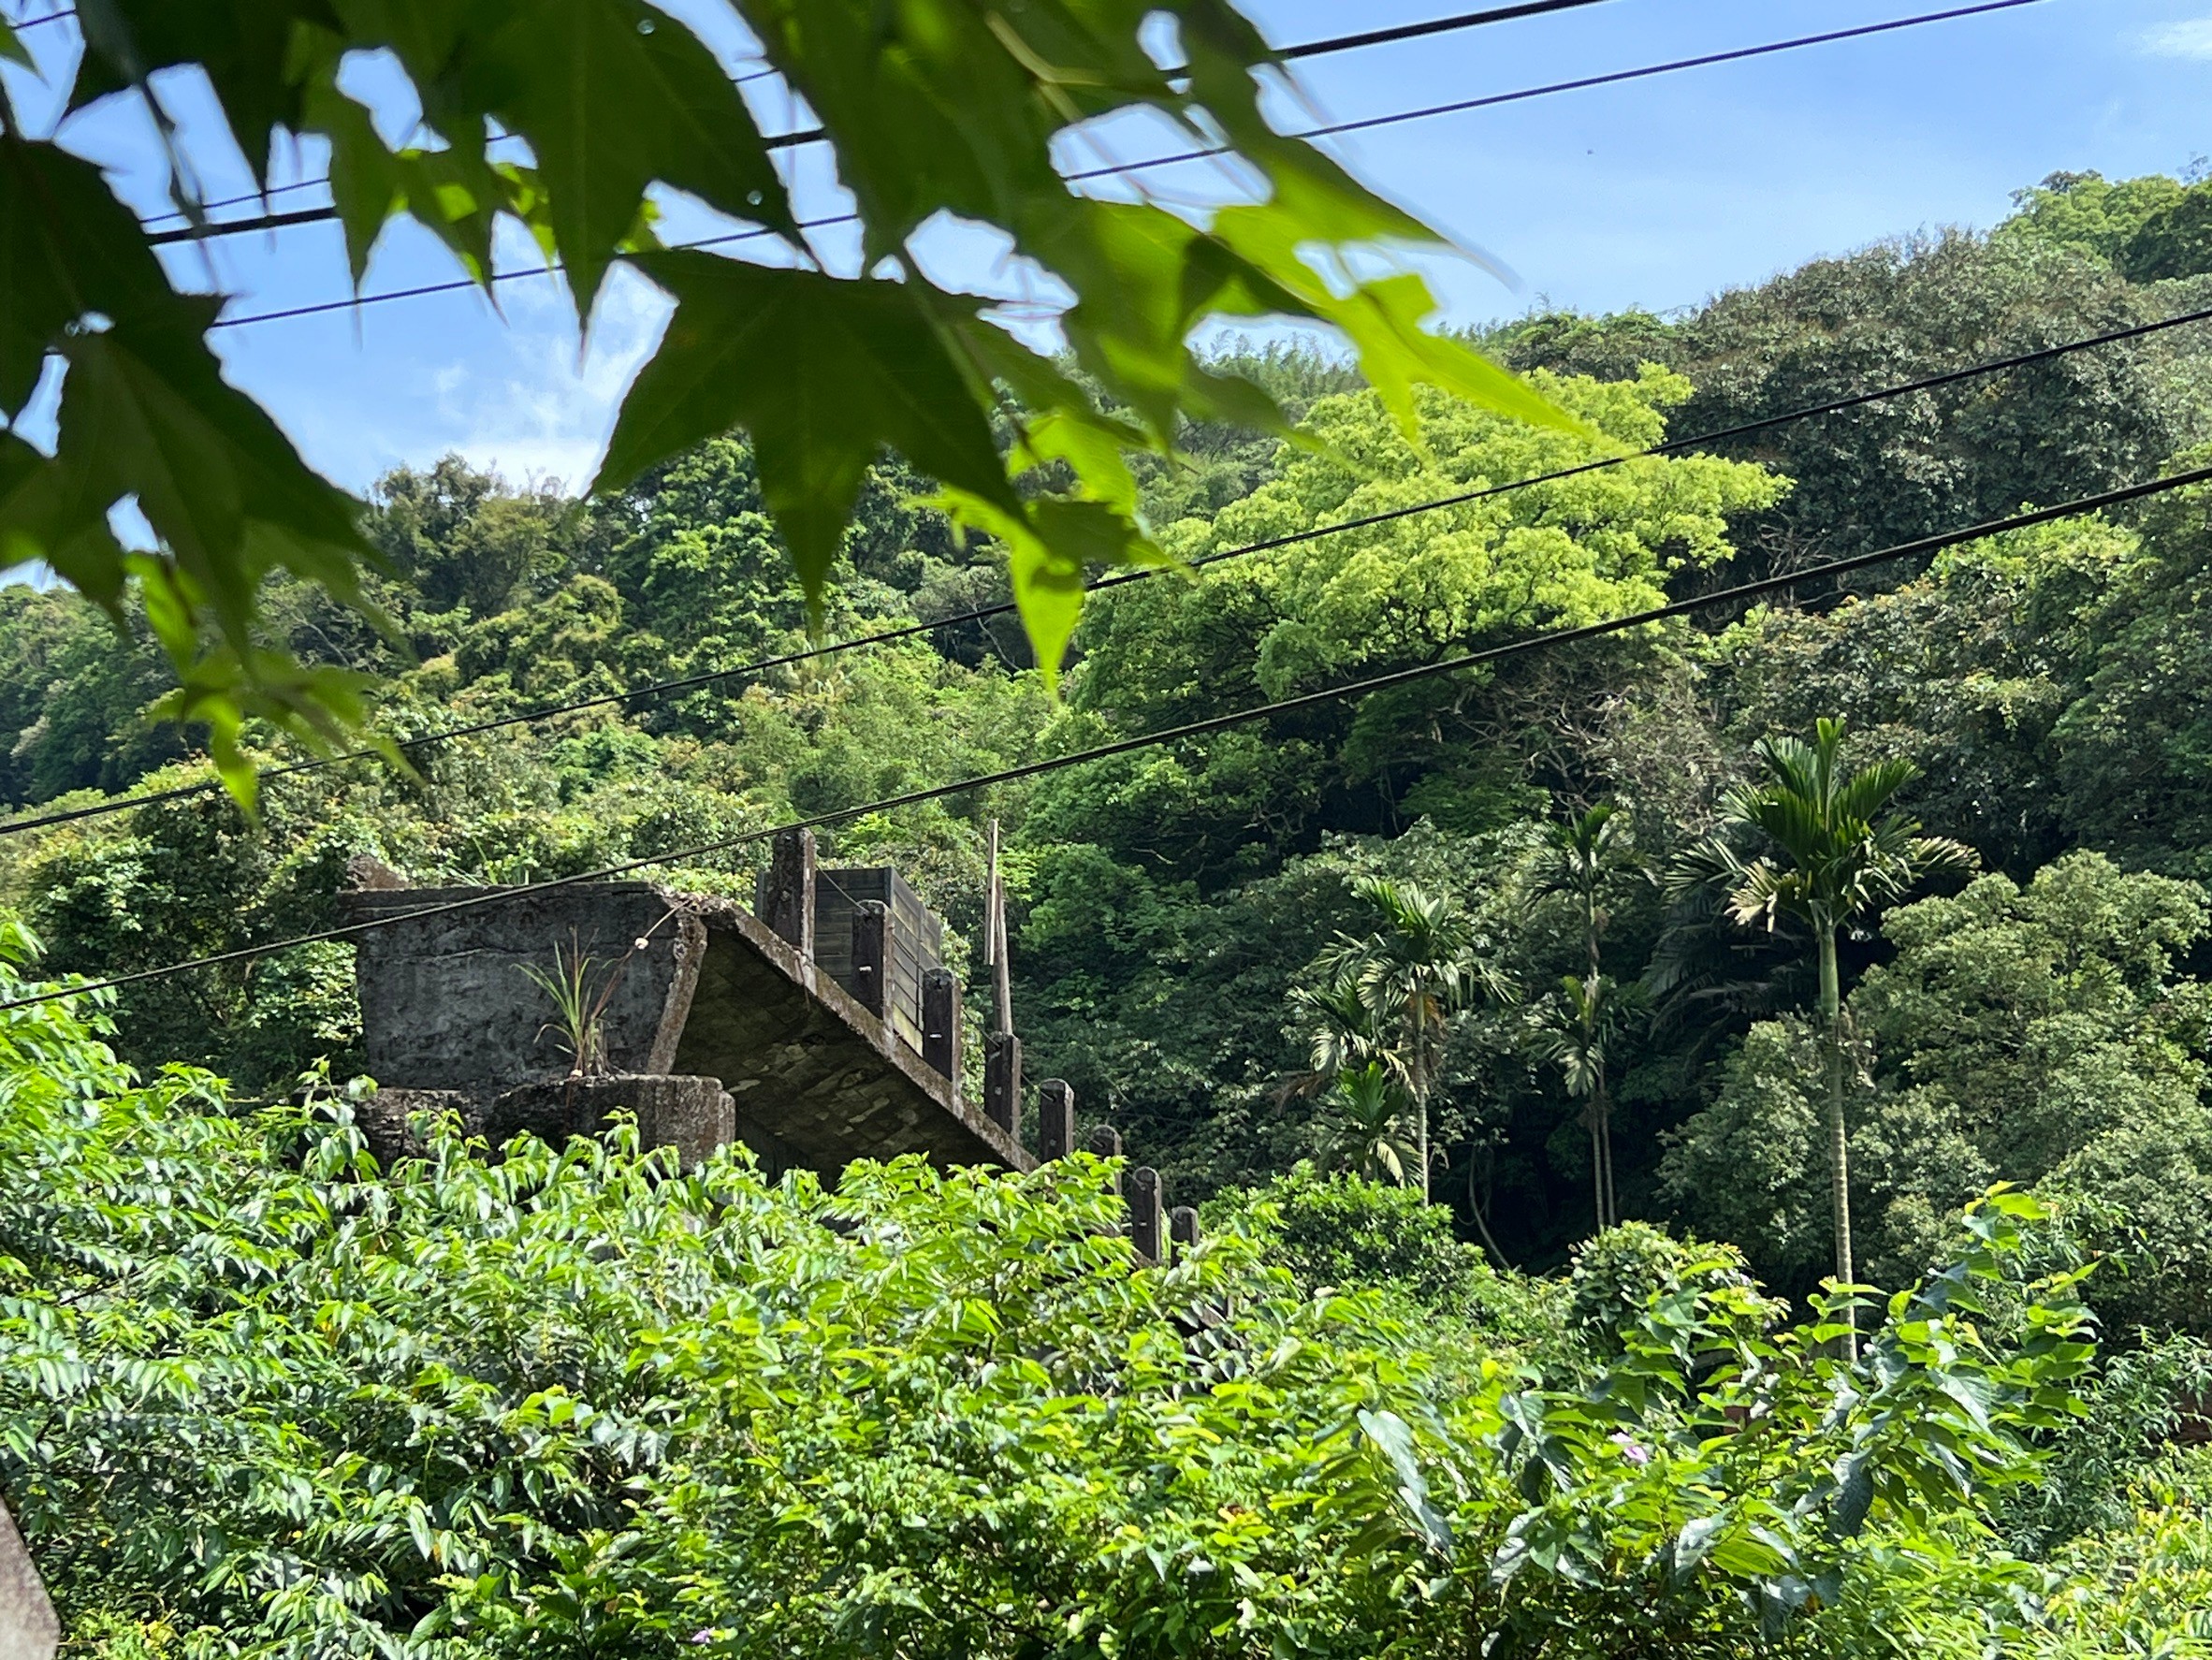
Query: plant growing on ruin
[{"x": 579, "y": 1006}]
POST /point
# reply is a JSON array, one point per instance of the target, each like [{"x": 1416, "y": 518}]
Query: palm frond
[{"x": 1871, "y": 788}]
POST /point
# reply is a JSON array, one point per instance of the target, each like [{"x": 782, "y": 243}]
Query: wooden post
[
  {"x": 1055, "y": 1119},
  {"x": 1183, "y": 1228},
  {"x": 785, "y": 896},
  {"x": 872, "y": 956},
  {"x": 1002, "y": 1082},
  {"x": 1146, "y": 1201},
  {"x": 941, "y": 1023}
]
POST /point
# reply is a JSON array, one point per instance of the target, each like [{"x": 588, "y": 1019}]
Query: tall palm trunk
[
  {"x": 1419, "y": 1082},
  {"x": 1602, "y": 1104},
  {"x": 1597, "y": 1164},
  {"x": 1831, "y": 1013},
  {"x": 1423, "y": 1149}
]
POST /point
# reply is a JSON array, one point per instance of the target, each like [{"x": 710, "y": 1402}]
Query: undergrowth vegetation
[{"x": 259, "y": 1396}]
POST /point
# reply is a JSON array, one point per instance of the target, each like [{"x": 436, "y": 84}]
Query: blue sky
[{"x": 1656, "y": 193}]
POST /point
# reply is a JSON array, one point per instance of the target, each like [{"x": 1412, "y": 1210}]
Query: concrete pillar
[
  {"x": 785, "y": 898},
  {"x": 1002, "y": 1082},
  {"x": 941, "y": 1023},
  {"x": 28, "y": 1628},
  {"x": 1146, "y": 1198},
  {"x": 872, "y": 956},
  {"x": 1055, "y": 1119}
]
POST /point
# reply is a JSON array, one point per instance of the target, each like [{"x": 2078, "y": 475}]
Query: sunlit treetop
[{"x": 936, "y": 112}]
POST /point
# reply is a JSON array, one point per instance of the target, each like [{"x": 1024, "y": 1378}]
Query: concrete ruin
[{"x": 714, "y": 1024}]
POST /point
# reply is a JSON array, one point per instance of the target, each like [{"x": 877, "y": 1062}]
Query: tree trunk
[
  {"x": 1597, "y": 1164},
  {"x": 1420, "y": 1112},
  {"x": 1831, "y": 1011},
  {"x": 1602, "y": 1104},
  {"x": 1482, "y": 1222}
]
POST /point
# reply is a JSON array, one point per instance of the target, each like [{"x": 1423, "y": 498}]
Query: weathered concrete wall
[
  {"x": 693, "y": 1116},
  {"x": 445, "y": 1003},
  {"x": 817, "y": 1080}
]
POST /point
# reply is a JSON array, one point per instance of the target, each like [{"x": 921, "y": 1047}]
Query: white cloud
[
  {"x": 2190, "y": 38},
  {"x": 542, "y": 414}
]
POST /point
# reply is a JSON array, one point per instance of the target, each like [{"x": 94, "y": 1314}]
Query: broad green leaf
[
  {"x": 1693, "y": 1543},
  {"x": 13, "y": 49},
  {"x": 50, "y": 512},
  {"x": 1394, "y": 1436},
  {"x": 248, "y": 48},
  {"x": 146, "y": 412},
  {"x": 367, "y": 183},
  {"x": 614, "y": 95},
  {"x": 824, "y": 374},
  {"x": 1386, "y": 320},
  {"x": 1050, "y": 545},
  {"x": 1144, "y": 280},
  {"x": 897, "y": 82},
  {"x": 455, "y": 192},
  {"x": 70, "y": 250}
]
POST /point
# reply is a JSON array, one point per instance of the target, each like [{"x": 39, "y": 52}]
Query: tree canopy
[{"x": 934, "y": 113}]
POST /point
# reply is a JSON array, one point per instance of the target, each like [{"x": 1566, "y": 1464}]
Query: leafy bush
[
  {"x": 1334, "y": 1232},
  {"x": 1622, "y": 1271},
  {"x": 259, "y": 1397}
]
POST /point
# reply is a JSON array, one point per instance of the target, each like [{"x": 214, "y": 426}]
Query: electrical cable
[
  {"x": 1443, "y": 25},
  {"x": 814, "y": 134},
  {"x": 1308, "y": 49},
  {"x": 1739, "y": 594},
  {"x": 986, "y": 613},
  {"x": 1493, "y": 100},
  {"x": 322, "y": 181}
]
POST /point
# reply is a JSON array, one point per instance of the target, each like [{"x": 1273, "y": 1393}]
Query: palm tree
[
  {"x": 1365, "y": 1133},
  {"x": 1587, "y": 851},
  {"x": 1573, "y": 1031},
  {"x": 1838, "y": 857},
  {"x": 1389, "y": 997}
]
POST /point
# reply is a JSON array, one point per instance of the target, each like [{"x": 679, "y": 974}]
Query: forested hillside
[
  {"x": 1539, "y": 917},
  {"x": 1172, "y": 902}
]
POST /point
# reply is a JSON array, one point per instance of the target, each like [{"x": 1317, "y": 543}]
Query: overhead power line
[
  {"x": 1301, "y": 51},
  {"x": 1740, "y": 594},
  {"x": 1443, "y": 25},
  {"x": 986, "y": 613},
  {"x": 1493, "y": 100},
  {"x": 816, "y": 135}
]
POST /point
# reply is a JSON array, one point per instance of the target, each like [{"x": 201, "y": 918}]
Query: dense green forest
[{"x": 1543, "y": 865}]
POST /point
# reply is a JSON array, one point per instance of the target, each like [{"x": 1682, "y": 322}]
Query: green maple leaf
[
  {"x": 614, "y": 95},
  {"x": 248, "y": 48},
  {"x": 53, "y": 513},
  {"x": 824, "y": 374},
  {"x": 147, "y": 414},
  {"x": 70, "y": 250},
  {"x": 455, "y": 192}
]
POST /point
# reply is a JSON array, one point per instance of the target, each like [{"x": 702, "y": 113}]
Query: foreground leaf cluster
[
  {"x": 257, "y": 1396},
  {"x": 582, "y": 123}
]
